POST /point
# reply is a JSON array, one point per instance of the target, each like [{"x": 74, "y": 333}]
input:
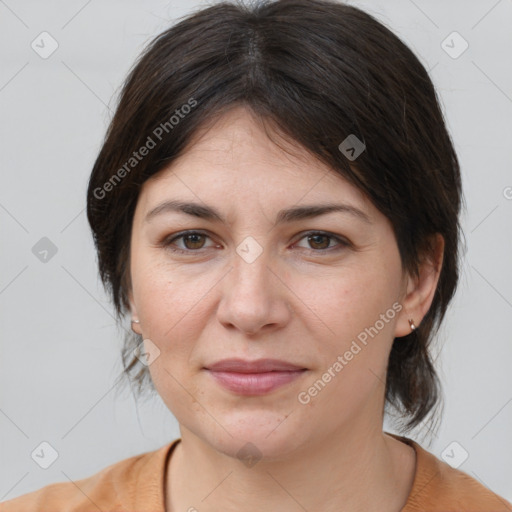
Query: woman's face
[{"x": 323, "y": 293}]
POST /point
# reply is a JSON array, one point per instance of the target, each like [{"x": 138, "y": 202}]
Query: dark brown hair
[{"x": 318, "y": 71}]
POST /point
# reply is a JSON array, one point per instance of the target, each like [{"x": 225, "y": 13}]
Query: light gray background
[{"x": 59, "y": 343}]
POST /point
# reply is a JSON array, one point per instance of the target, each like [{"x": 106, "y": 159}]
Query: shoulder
[
  {"x": 438, "y": 487},
  {"x": 120, "y": 486}
]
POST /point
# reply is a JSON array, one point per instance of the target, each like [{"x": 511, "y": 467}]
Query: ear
[
  {"x": 134, "y": 315},
  {"x": 420, "y": 290}
]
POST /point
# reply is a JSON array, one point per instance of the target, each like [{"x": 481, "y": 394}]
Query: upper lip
[{"x": 256, "y": 366}]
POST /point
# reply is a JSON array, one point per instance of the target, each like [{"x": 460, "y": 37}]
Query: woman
[{"x": 276, "y": 206}]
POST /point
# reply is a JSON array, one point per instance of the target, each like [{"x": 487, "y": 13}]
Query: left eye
[
  {"x": 323, "y": 240},
  {"x": 194, "y": 241}
]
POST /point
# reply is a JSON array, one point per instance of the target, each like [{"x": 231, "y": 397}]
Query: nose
[{"x": 255, "y": 297}]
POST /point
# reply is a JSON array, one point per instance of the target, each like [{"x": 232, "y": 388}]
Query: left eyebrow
[{"x": 284, "y": 216}]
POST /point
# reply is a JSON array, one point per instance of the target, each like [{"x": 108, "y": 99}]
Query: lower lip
[{"x": 254, "y": 383}]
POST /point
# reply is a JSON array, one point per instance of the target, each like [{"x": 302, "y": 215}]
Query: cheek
[
  {"x": 166, "y": 307},
  {"x": 172, "y": 316},
  {"x": 347, "y": 302},
  {"x": 353, "y": 338},
  {"x": 358, "y": 311},
  {"x": 172, "y": 307}
]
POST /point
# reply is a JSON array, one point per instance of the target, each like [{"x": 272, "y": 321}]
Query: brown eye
[
  {"x": 192, "y": 241},
  {"x": 319, "y": 241},
  {"x": 322, "y": 242}
]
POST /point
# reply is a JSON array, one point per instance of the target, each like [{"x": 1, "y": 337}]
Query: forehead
[{"x": 237, "y": 158}]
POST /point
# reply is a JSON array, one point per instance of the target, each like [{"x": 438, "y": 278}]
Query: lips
[
  {"x": 257, "y": 366},
  {"x": 254, "y": 377}
]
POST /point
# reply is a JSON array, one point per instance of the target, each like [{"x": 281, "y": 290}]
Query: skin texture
[{"x": 302, "y": 301}]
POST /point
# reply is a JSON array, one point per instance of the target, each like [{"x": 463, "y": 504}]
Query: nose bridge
[
  {"x": 252, "y": 296},
  {"x": 252, "y": 269}
]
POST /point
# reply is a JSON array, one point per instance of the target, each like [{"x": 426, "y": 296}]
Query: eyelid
[{"x": 342, "y": 242}]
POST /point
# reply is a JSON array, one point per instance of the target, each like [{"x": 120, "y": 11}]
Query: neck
[{"x": 353, "y": 471}]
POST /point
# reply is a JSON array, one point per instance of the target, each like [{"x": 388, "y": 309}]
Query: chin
[{"x": 255, "y": 435}]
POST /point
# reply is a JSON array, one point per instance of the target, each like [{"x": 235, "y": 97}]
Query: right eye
[{"x": 193, "y": 241}]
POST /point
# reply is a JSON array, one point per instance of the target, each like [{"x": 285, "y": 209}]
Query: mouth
[{"x": 254, "y": 378}]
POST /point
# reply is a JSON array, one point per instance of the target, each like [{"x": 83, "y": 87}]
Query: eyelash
[{"x": 167, "y": 243}]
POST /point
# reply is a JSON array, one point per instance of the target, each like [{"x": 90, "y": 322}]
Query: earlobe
[
  {"x": 135, "y": 322},
  {"x": 421, "y": 290},
  {"x": 407, "y": 323}
]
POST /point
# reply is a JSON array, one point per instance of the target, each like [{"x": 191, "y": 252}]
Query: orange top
[{"x": 136, "y": 484}]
